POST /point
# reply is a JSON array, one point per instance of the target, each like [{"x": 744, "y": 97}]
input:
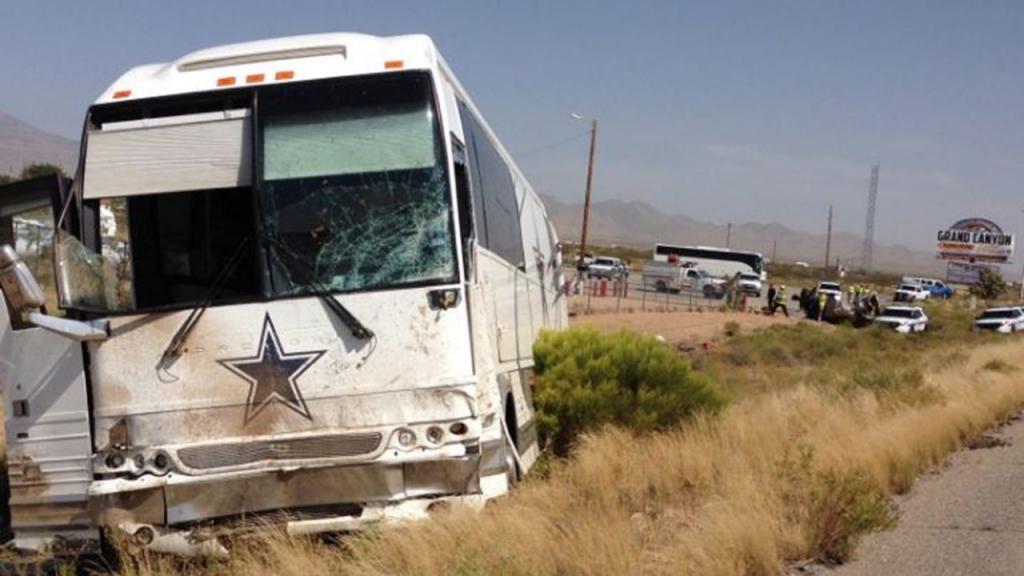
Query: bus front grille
[{"x": 242, "y": 453}]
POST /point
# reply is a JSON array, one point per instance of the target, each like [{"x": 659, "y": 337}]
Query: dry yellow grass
[{"x": 740, "y": 494}]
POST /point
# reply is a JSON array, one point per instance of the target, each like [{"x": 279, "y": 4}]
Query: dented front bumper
[{"x": 182, "y": 500}]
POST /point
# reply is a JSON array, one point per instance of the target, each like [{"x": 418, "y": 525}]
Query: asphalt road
[{"x": 967, "y": 518}]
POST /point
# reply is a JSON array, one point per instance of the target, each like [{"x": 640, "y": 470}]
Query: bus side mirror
[
  {"x": 17, "y": 282},
  {"x": 21, "y": 289}
]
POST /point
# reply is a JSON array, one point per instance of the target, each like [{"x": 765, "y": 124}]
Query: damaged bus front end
[{"x": 270, "y": 308}]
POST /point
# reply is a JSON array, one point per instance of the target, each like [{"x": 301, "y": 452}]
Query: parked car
[
  {"x": 907, "y": 292},
  {"x": 904, "y": 319},
  {"x": 1002, "y": 320},
  {"x": 606, "y": 267},
  {"x": 936, "y": 288},
  {"x": 583, "y": 262},
  {"x": 832, "y": 289},
  {"x": 750, "y": 283}
]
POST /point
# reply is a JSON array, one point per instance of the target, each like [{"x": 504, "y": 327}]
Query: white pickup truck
[
  {"x": 671, "y": 277},
  {"x": 907, "y": 292}
]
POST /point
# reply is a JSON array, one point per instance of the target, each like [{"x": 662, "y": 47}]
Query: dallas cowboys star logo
[{"x": 272, "y": 373}]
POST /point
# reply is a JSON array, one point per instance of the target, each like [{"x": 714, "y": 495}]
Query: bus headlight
[
  {"x": 435, "y": 434},
  {"x": 406, "y": 438},
  {"x": 161, "y": 463},
  {"x": 114, "y": 460}
]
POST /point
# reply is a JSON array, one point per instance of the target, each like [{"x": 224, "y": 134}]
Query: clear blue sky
[{"x": 752, "y": 111}]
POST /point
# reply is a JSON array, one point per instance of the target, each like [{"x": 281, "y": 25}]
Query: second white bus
[{"x": 721, "y": 262}]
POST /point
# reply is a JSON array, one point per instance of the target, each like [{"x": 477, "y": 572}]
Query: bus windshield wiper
[
  {"x": 177, "y": 343},
  {"x": 357, "y": 328}
]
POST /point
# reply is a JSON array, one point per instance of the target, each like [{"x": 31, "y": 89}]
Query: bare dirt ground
[{"x": 677, "y": 325}]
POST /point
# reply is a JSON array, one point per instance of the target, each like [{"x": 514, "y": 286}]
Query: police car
[
  {"x": 1002, "y": 320},
  {"x": 904, "y": 319}
]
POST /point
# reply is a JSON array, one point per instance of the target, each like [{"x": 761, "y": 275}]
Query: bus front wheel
[{"x": 512, "y": 472}]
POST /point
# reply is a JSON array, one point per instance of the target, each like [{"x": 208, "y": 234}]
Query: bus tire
[
  {"x": 512, "y": 472},
  {"x": 660, "y": 286}
]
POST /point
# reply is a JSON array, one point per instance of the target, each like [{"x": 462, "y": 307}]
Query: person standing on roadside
[
  {"x": 771, "y": 298},
  {"x": 734, "y": 297},
  {"x": 873, "y": 303},
  {"x": 780, "y": 301},
  {"x": 822, "y": 301}
]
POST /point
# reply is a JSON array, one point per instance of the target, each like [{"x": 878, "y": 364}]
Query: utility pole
[
  {"x": 869, "y": 226},
  {"x": 775, "y": 243},
  {"x": 586, "y": 201},
  {"x": 728, "y": 234},
  {"x": 828, "y": 242}
]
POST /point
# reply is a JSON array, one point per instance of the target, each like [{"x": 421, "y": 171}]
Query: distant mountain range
[
  {"x": 626, "y": 223},
  {"x": 640, "y": 225},
  {"x": 22, "y": 144}
]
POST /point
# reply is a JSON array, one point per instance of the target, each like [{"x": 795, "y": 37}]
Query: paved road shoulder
[{"x": 965, "y": 518}]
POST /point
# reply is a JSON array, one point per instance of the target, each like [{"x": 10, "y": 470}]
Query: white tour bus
[
  {"x": 299, "y": 281},
  {"x": 721, "y": 262}
]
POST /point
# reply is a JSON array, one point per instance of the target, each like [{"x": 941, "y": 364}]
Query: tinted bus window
[{"x": 494, "y": 194}]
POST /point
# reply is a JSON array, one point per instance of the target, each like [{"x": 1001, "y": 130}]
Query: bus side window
[
  {"x": 497, "y": 216},
  {"x": 464, "y": 199}
]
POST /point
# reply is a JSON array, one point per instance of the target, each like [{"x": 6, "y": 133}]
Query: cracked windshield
[{"x": 354, "y": 196}]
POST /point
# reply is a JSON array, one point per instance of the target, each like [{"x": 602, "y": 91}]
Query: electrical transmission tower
[{"x": 869, "y": 227}]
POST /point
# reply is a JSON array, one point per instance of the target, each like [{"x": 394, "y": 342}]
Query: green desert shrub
[
  {"x": 990, "y": 285},
  {"x": 586, "y": 380}
]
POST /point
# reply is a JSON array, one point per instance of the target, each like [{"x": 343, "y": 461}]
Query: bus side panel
[
  {"x": 49, "y": 448},
  {"x": 493, "y": 478},
  {"x": 541, "y": 267},
  {"x": 529, "y": 323},
  {"x": 541, "y": 280},
  {"x": 499, "y": 280}
]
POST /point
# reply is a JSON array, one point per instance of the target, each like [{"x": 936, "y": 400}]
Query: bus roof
[
  {"x": 293, "y": 58},
  {"x": 272, "y": 61}
]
